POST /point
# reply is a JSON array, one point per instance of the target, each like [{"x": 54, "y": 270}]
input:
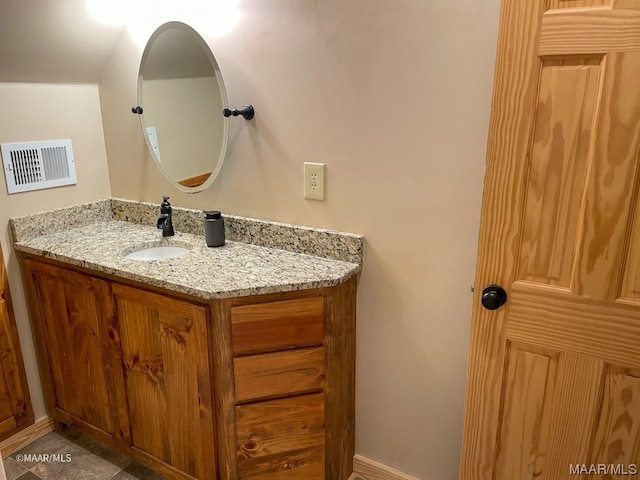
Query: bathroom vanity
[{"x": 230, "y": 363}]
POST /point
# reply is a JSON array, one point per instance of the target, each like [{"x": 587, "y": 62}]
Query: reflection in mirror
[{"x": 182, "y": 94}]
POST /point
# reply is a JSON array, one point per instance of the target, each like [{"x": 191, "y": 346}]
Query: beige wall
[
  {"x": 394, "y": 98},
  {"x": 48, "y": 112}
]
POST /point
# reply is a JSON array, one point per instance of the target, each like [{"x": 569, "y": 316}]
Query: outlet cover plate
[{"x": 314, "y": 181}]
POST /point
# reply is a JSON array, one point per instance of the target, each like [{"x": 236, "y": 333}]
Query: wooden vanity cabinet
[
  {"x": 279, "y": 388},
  {"x": 126, "y": 366},
  {"x": 15, "y": 403},
  {"x": 290, "y": 414},
  {"x": 249, "y": 388}
]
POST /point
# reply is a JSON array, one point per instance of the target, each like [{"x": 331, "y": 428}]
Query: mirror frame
[{"x": 223, "y": 94}]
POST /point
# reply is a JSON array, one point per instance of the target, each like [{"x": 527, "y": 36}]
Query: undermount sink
[{"x": 160, "y": 252}]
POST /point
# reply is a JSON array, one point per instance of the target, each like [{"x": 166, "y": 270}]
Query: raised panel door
[{"x": 553, "y": 390}]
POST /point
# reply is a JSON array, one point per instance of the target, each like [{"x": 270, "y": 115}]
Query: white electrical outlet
[{"x": 314, "y": 181}]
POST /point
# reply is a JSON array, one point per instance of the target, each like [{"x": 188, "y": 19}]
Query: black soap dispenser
[{"x": 213, "y": 228}]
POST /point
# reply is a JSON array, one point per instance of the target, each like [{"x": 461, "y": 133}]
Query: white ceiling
[{"x": 53, "y": 41}]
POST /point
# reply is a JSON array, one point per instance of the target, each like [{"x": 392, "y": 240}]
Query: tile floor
[{"x": 73, "y": 456}]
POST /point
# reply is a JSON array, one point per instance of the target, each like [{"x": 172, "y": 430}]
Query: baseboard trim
[
  {"x": 25, "y": 436},
  {"x": 367, "y": 469}
]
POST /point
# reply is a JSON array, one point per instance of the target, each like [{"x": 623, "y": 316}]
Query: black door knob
[{"x": 493, "y": 297}]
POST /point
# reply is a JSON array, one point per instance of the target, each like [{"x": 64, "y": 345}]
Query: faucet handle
[{"x": 165, "y": 206}]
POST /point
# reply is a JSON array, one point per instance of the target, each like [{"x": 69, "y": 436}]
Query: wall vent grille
[{"x": 36, "y": 165}]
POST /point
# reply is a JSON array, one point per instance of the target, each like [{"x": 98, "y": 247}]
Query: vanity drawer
[
  {"x": 281, "y": 439},
  {"x": 281, "y": 325},
  {"x": 279, "y": 374}
]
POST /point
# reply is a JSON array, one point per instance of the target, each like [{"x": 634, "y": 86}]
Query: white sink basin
[{"x": 157, "y": 253}]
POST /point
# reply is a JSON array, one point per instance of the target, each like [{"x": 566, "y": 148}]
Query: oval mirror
[{"x": 182, "y": 95}]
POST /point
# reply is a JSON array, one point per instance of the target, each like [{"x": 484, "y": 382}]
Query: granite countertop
[{"x": 93, "y": 236}]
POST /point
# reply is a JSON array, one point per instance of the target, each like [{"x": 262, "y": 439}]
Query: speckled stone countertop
[{"x": 96, "y": 236}]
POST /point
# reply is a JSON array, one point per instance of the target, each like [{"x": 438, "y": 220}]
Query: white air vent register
[{"x": 37, "y": 165}]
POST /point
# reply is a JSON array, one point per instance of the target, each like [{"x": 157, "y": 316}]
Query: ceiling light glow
[
  {"x": 142, "y": 17},
  {"x": 110, "y": 13}
]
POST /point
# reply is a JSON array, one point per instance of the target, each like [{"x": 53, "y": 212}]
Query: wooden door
[
  {"x": 15, "y": 403},
  {"x": 165, "y": 350},
  {"x": 74, "y": 322},
  {"x": 554, "y": 376}
]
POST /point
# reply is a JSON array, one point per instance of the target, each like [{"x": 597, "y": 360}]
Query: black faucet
[{"x": 164, "y": 221}]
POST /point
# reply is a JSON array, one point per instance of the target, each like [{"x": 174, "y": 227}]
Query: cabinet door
[
  {"x": 75, "y": 322},
  {"x": 168, "y": 380},
  {"x": 15, "y": 404}
]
